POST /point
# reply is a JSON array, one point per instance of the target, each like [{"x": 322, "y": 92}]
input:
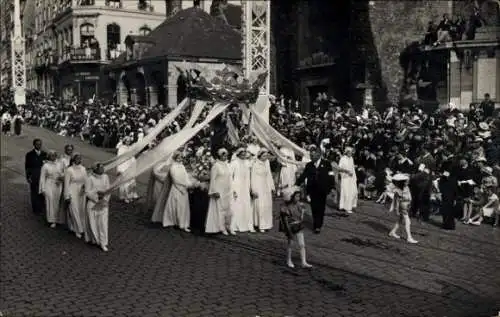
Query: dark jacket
[
  {"x": 420, "y": 185},
  {"x": 33, "y": 165},
  {"x": 319, "y": 180}
]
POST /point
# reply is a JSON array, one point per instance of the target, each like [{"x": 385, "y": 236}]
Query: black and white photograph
[{"x": 249, "y": 158}]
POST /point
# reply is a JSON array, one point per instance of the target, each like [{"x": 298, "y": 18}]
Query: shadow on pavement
[
  {"x": 368, "y": 243},
  {"x": 484, "y": 307},
  {"x": 377, "y": 226}
]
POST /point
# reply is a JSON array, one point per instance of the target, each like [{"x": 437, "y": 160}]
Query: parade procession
[{"x": 210, "y": 164}]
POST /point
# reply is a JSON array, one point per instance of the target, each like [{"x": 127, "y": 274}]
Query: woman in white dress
[
  {"x": 98, "y": 205},
  {"x": 262, "y": 189},
  {"x": 74, "y": 194},
  {"x": 241, "y": 206},
  {"x": 177, "y": 212},
  {"x": 348, "y": 182},
  {"x": 50, "y": 186},
  {"x": 288, "y": 172},
  {"x": 221, "y": 194},
  {"x": 155, "y": 185},
  {"x": 64, "y": 161},
  {"x": 127, "y": 191}
]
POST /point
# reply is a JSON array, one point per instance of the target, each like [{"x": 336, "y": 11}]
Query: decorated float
[{"x": 227, "y": 88}]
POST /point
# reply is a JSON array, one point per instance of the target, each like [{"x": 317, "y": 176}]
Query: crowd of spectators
[{"x": 465, "y": 145}]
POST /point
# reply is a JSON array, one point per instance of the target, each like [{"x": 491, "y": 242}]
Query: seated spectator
[{"x": 443, "y": 30}]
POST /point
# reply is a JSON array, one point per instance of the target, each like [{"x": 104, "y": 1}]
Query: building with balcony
[
  {"x": 71, "y": 40},
  {"x": 147, "y": 73}
]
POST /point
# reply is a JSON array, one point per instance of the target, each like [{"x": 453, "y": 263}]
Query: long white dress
[
  {"x": 74, "y": 191},
  {"x": 348, "y": 185},
  {"x": 127, "y": 190},
  {"x": 51, "y": 187},
  {"x": 288, "y": 172},
  {"x": 157, "y": 178},
  {"x": 97, "y": 211},
  {"x": 261, "y": 183},
  {"x": 64, "y": 162},
  {"x": 219, "y": 208},
  {"x": 177, "y": 212},
  {"x": 241, "y": 206}
]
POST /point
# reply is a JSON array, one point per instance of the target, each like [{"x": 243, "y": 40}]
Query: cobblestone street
[{"x": 358, "y": 271}]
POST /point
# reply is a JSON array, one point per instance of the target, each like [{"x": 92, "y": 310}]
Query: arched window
[
  {"x": 113, "y": 32},
  {"x": 87, "y": 33},
  {"x": 144, "y": 30}
]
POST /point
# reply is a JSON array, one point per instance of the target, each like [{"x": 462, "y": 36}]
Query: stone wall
[{"x": 381, "y": 30}]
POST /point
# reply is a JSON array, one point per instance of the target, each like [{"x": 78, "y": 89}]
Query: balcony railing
[
  {"x": 113, "y": 54},
  {"x": 45, "y": 61},
  {"x": 86, "y": 2},
  {"x": 82, "y": 54}
]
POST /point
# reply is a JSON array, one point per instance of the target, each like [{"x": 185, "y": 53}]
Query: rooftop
[{"x": 192, "y": 33}]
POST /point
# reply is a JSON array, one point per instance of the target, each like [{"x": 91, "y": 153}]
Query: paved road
[{"x": 163, "y": 272}]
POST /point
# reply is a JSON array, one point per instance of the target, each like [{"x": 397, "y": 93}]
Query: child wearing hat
[
  {"x": 291, "y": 223},
  {"x": 401, "y": 205}
]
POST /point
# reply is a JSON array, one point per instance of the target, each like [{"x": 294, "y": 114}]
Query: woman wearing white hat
[
  {"x": 127, "y": 191},
  {"x": 291, "y": 217},
  {"x": 97, "y": 207},
  {"x": 288, "y": 172},
  {"x": 401, "y": 205},
  {"x": 50, "y": 186},
  {"x": 348, "y": 182},
  {"x": 75, "y": 177},
  {"x": 241, "y": 206},
  {"x": 220, "y": 193},
  {"x": 177, "y": 212},
  {"x": 262, "y": 188}
]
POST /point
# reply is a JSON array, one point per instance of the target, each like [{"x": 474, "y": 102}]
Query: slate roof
[{"x": 194, "y": 33}]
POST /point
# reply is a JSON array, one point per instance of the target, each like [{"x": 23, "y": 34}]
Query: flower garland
[{"x": 224, "y": 87}]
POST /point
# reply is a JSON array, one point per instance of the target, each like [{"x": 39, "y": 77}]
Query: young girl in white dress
[
  {"x": 74, "y": 194},
  {"x": 50, "y": 186},
  {"x": 98, "y": 205}
]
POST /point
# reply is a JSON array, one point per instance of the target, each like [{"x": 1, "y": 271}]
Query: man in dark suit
[
  {"x": 319, "y": 176},
  {"x": 488, "y": 106},
  {"x": 33, "y": 166},
  {"x": 420, "y": 188}
]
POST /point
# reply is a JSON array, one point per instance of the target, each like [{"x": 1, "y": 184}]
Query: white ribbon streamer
[
  {"x": 166, "y": 148},
  {"x": 137, "y": 147}
]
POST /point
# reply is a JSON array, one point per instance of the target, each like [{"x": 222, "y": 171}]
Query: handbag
[{"x": 295, "y": 226}]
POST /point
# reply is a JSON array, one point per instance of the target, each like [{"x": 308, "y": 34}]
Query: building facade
[
  {"x": 72, "y": 40},
  {"x": 147, "y": 73},
  {"x": 69, "y": 42}
]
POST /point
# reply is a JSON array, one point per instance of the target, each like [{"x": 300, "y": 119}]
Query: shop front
[{"x": 82, "y": 82}]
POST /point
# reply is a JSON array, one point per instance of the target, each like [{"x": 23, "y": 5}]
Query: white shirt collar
[{"x": 317, "y": 163}]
